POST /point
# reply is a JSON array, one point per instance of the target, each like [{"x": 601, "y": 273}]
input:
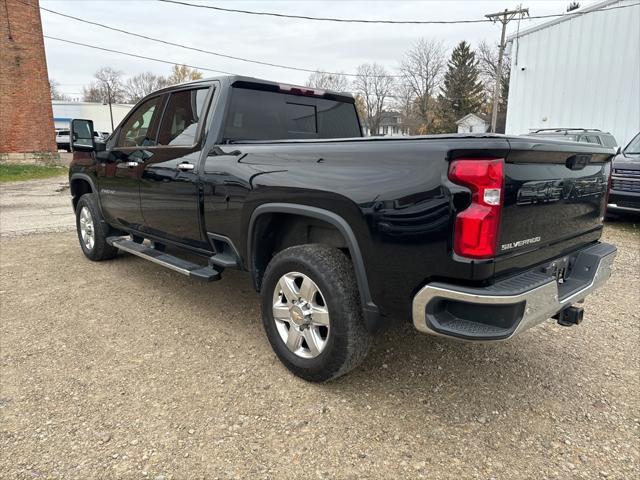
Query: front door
[
  {"x": 169, "y": 180},
  {"x": 121, "y": 165}
]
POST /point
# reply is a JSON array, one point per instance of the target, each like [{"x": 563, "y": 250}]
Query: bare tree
[
  {"x": 488, "y": 63},
  {"x": 422, "y": 69},
  {"x": 141, "y": 85},
  {"x": 374, "y": 85},
  {"x": 182, "y": 73},
  {"x": 328, "y": 81},
  {"x": 56, "y": 94},
  {"x": 404, "y": 101},
  {"x": 91, "y": 93},
  {"x": 106, "y": 88}
]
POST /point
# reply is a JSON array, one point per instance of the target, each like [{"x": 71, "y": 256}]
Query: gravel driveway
[
  {"x": 122, "y": 369},
  {"x": 36, "y": 206}
]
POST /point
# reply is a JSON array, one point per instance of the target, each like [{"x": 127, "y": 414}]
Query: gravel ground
[
  {"x": 36, "y": 206},
  {"x": 122, "y": 369}
]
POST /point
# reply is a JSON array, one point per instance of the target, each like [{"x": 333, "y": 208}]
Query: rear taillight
[{"x": 477, "y": 227}]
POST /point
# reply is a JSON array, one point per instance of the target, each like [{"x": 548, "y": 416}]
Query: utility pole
[
  {"x": 109, "y": 99},
  {"x": 504, "y": 18}
]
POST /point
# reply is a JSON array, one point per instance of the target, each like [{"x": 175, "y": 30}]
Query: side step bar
[{"x": 208, "y": 274}]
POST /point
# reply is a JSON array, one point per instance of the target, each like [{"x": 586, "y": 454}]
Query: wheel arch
[
  {"x": 80, "y": 184},
  {"x": 256, "y": 263}
]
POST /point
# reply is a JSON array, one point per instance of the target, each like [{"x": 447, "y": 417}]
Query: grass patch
[{"x": 14, "y": 173}]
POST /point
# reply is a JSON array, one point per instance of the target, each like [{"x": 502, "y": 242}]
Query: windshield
[{"x": 634, "y": 146}]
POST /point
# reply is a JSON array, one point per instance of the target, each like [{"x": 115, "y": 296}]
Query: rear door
[
  {"x": 555, "y": 199},
  {"x": 169, "y": 180}
]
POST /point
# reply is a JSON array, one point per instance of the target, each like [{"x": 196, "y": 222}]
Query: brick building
[{"x": 26, "y": 118}]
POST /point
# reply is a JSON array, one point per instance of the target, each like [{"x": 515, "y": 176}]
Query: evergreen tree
[{"x": 462, "y": 92}]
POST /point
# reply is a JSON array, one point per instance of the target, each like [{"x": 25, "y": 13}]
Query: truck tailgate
[{"x": 554, "y": 200}]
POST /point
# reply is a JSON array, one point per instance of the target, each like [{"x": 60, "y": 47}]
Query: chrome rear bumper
[{"x": 511, "y": 306}]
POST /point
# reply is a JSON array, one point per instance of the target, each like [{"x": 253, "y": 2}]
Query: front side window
[
  {"x": 137, "y": 130},
  {"x": 182, "y": 117}
]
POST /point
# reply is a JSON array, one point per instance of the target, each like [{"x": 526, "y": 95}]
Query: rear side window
[
  {"x": 262, "y": 115},
  {"x": 182, "y": 117}
]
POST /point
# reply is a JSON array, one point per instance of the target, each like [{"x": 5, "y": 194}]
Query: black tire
[
  {"x": 100, "y": 250},
  {"x": 348, "y": 341}
]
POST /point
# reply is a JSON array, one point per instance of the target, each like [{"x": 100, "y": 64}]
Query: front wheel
[
  {"x": 93, "y": 230},
  {"x": 312, "y": 314}
]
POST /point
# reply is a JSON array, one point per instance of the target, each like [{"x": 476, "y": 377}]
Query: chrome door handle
[
  {"x": 185, "y": 167},
  {"x": 128, "y": 164}
]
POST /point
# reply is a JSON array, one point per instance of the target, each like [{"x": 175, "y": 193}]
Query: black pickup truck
[{"x": 473, "y": 237}]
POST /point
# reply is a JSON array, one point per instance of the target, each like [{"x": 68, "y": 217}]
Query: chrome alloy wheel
[
  {"x": 87, "y": 231},
  {"x": 301, "y": 315}
]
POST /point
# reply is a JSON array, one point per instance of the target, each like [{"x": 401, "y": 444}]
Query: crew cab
[{"x": 474, "y": 237}]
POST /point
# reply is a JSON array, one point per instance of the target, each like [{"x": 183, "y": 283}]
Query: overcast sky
[{"x": 300, "y": 43}]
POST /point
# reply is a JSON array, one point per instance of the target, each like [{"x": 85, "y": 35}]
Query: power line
[
  {"x": 135, "y": 55},
  {"x": 258, "y": 62},
  {"x": 392, "y": 22},
  {"x": 144, "y": 57},
  {"x": 196, "y": 49},
  {"x": 324, "y": 19}
]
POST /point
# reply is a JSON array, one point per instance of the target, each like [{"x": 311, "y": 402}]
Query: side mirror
[
  {"x": 618, "y": 150},
  {"x": 82, "y": 135}
]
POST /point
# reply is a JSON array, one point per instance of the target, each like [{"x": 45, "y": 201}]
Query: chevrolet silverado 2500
[{"x": 474, "y": 237}]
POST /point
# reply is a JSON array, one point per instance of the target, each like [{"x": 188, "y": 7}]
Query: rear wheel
[
  {"x": 93, "y": 230},
  {"x": 312, "y": 314}
]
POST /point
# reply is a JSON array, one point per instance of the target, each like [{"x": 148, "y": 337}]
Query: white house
[
  {"x": 578, "y": 71},
  {"x": 391, "y": 124},
  {"x": 64, "y": 112},
  {"x": 472, "y": 123}
]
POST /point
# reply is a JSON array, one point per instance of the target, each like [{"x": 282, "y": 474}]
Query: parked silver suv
[{"x": 586, "y": 135}]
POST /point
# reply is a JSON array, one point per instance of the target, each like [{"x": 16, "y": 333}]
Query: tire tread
[
  {"x": 336, "y": 269},
  {"x": 101, "y": 249}
]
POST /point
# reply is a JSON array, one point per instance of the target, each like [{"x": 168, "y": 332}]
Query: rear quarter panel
[{"x": 394, "y": 194}]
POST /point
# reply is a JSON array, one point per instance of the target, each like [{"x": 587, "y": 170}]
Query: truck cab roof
[{"x": 253, "y": 83}]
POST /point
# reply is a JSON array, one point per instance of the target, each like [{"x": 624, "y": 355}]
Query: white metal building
[
  {"x": 64, "y": 112},
  {"x": 579, "y": 71}
]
